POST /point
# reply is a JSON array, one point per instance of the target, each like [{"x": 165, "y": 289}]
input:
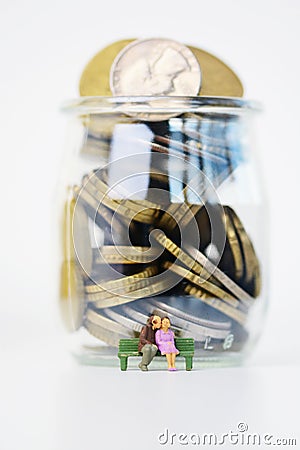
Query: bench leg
[
  {"x": 123, "y": 362},
  {"x": 188, "y": 362}
]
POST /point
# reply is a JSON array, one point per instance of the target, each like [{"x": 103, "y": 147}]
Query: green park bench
[{"x": 129, "y": 347}]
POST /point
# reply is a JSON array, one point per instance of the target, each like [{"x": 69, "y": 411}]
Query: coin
[
  {"x": 104, "y": 335},
  {"x": 250, "y": 259},
  {"x": 138, "y": 205},
  {"x": 118, "y": 290},
  {"x": 94, "y": 80},
  {"x": 209, "y": 287},
  {"x": 97, "y": 211},
  {"x": 81, "y": 239},
  {"x": 142, "y": 319},
  {"x": 217, "y": 304},
  {"x": 121, "y": 282},
  {"x": 193, "y": 265},
  {"x": 182, "y": 214},
  {"x": 71, "y": 295},
  {"x": 220, "y": 275},
  {"x": 217, "y": 78},
  {"x": 257, "y": 281},
  {"x": 122, "y": 254},
  {"x": 124, "y": 321},
  {"x": 199, "y": 332},
  {"x": 178, "y": 214},
  {"x": 67, "y": 239},
  {"x": 101, "y": 320},
  {"x": 155, "y": 67},
  {"x": 105, "y": 329},
  {"x": 234, "y": 244},
  {"x": 190, "y": 318},
  {"x": 131, "y": 210},
  {"x": 156, "y": 287},
  {"x": 98, "y": 146}
]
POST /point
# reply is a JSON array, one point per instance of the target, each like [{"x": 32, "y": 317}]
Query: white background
[{"x": 48, "y": 402}]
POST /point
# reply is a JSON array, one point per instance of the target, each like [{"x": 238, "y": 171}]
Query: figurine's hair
[
  {"x": 150, "y": 319},
  {"x": 166, "y": 317}
]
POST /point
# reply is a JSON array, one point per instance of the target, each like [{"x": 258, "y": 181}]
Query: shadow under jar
[{"x": 162, "y": 212}]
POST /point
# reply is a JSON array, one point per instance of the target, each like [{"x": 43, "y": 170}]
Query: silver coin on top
[{"x": 155, "y": 67}]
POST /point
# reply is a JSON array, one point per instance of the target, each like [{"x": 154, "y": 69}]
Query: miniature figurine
[
  {"x": 164, "y": 339},
  {"x": 147, "y": 344}
]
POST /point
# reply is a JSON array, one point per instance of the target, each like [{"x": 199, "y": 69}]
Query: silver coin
[
  {"x": 81, "y": 238},
  {"x": 240, "y": 293},
  {"x": 105, "y": 322},
  {"x": 155, "y": 67},
  {"x": 104, "y": 334},
  {"x": 185, "y": 328},
  {"x": 142, "y": 318},
  {"x": 124, "y": 321},
  {"x": 188, "y": 317}
]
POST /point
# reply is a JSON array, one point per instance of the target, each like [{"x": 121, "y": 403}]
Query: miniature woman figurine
[{"x": 164, "y": 339}]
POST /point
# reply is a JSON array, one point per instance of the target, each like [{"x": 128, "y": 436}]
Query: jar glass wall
[{"x": 162, "y": 212}]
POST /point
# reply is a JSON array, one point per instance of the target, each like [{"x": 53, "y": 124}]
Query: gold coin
[
  {"x": 121, "y": 254},
  {"x": 121, "y": 282},
  {"x": 217, "y": 78},
  {"x": 257, "y": 281},
  {"x": 234, "y": 243},
  {"x": 119, "y": 259},
  {"x": 95, "y": 77},
  {"x": 250, "y": 258},
  {"x": 128, "y": 251},
  {"x": 71, "y": 295},
  {"x": 134, "y": 285},
  {"x": 156, "y": 287},
  {"x": 179, "y": 214},
  {"x": 68, "y": 213}
]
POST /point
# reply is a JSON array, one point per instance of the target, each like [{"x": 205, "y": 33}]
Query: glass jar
[{"x": 162, "y": 212}]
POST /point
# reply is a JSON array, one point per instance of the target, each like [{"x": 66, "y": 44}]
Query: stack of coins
[{"x": 170, "y": 246}]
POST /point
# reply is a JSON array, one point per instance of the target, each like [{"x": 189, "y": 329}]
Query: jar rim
[{"x": 159, "y": 105}]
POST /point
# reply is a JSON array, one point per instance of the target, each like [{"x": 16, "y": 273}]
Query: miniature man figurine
[{"x": 147, "y": 344}]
